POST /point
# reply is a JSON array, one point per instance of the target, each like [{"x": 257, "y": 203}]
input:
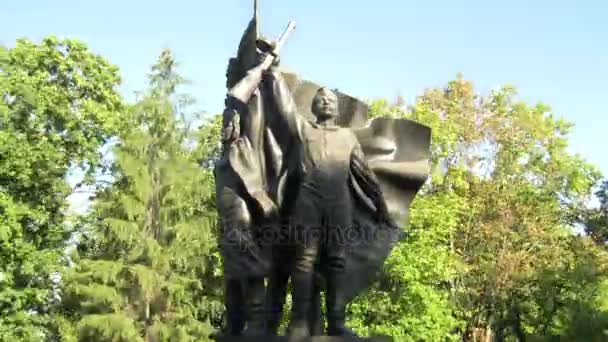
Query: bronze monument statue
[{"x": 308, "y": 189}]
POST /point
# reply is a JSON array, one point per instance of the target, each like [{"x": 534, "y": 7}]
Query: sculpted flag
[
  {"x": 397, "y": 151},
  {"x": 243, "y": 255},
  {"x": 253, "y": 125}
]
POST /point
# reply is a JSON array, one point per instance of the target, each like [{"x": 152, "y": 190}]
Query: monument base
[{"x": 306, "y": 339}]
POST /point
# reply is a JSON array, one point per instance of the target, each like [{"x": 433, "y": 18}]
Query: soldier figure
[
  {"x": 322, "y": 211},
  {"x": 244, "y": 208}
]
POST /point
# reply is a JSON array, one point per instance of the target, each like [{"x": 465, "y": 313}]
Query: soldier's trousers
[
  {"x": 246, "y": 262},
  {"x": 319, "y": 224},
  {"x": 277, "y": 290}
]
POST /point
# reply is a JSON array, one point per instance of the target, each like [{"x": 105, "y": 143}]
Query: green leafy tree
[
  {"x": 411, "y": 300},
  {"x": 491, "y": 251},
  {"x": 569, "y": 299},
  {"x": 58, "y": 106},
  {"x": 146, "y": 267},
  {"x": 596, "y": 220},
  {"x": 505, "y": 197},
  {"x": 509, "y": 163}
]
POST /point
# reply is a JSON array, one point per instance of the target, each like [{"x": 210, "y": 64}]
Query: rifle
[{"x": 243, "y": 90}]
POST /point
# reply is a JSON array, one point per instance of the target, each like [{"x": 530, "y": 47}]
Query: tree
[
  {"x": 411, "y": 299},
  {"x": 491, "y": 250},
  {"x": 505, "y": 197},
  {"x": 147, "y": 266},
  {"x": 58, "y": 106},
  {"x": 596, "y": 220}
]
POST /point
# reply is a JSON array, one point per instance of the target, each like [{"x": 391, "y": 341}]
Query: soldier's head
[{"x": 325, "y": 104}]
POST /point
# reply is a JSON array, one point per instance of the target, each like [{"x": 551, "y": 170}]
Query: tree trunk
[
  {"x": 488, "y": 334},
  {"x": 519, "y": 331},
  {"x": 149, "y": 337}
]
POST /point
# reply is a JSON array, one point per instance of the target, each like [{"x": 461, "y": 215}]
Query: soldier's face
[{"x": 325, "y": 104}]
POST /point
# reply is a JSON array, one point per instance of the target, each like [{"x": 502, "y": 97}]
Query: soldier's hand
[
  {"x": 265, "y": 49},
  {"x": 276, "y": 61},
  {"x": 266, "y": 206},
  {"x": 262, "y": 56}
]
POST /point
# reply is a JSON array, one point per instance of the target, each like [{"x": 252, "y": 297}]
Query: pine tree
[{"x": 146, "y": 265}]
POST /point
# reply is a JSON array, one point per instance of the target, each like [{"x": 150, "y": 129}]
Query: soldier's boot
[
  {"x": 317, "y": 324},
  {"x": 255, "y": 304},
  {"x": 275, "y": 314},
  {"x": 234, "y": 299},
  {"x": 336, "y": 306},
  {"x": 302, "y": 290},
  {"x": 275, "y": 298}
]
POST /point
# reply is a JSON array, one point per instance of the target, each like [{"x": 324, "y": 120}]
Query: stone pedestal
[{"x": 308, "y": 339}]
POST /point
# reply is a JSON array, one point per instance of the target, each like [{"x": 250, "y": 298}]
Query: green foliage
[
  {"x": 490, "y": 251},
  {"x": 108, "y": 328},
  {"x": 596, "y": 219},
  {"x": 499, "y": 242},
  {"x": 146, "y": 267},
  {"x": 58, "y": 107},
  {"x": 412, "y": 300}
]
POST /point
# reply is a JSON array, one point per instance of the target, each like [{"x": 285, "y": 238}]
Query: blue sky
[{"x": 554, "y": 52}]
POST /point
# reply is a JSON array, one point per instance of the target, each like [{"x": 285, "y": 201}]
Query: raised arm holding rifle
[{"x": 243, "y": 202}]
